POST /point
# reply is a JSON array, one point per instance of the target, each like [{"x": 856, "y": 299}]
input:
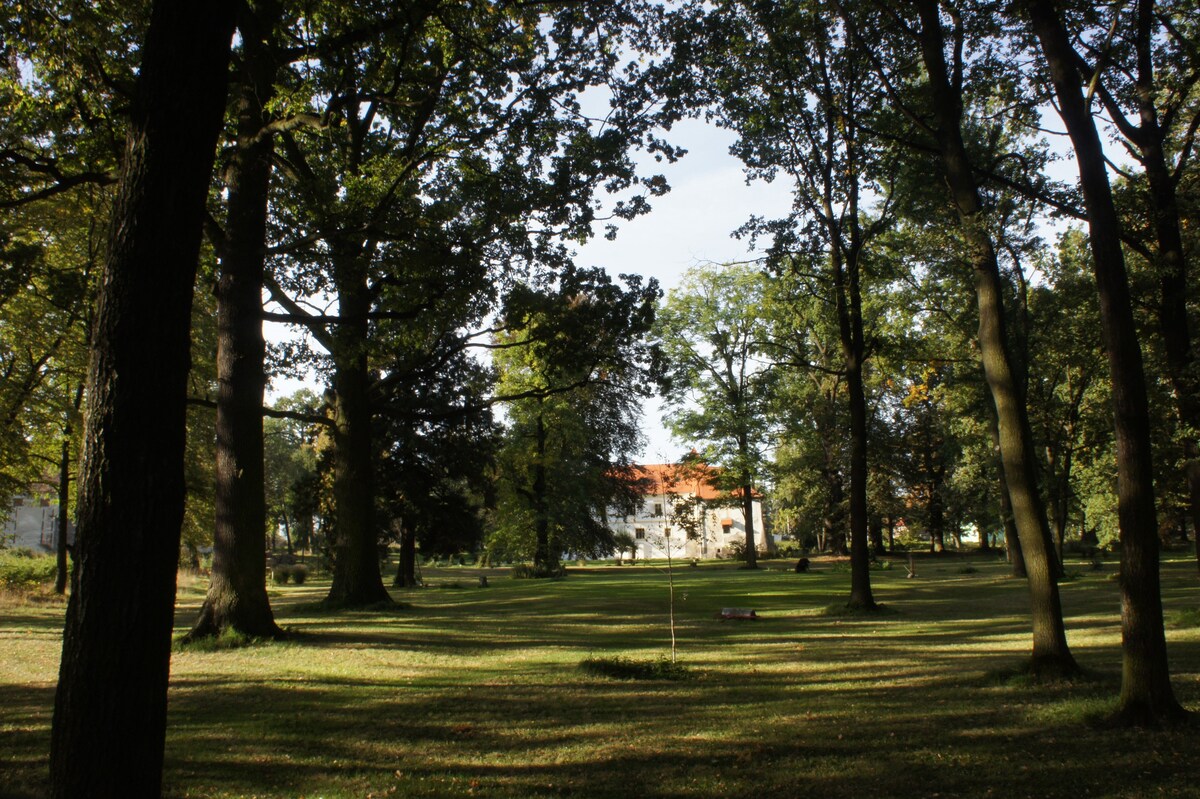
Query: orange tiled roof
[{"x": 668, "y": 477}]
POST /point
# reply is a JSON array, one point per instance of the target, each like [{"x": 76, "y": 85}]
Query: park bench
[{"x": 739, "y": 614}]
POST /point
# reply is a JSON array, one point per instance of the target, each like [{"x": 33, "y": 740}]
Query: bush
[
  {"x": 281, "y": 574},
  {"x": 21, "y": 568},
  {"x": 1188, "y": 619},
  {"x": 528, "y": 571},
  {"x": 299, "y": 573},
  {"x": 619, "y": 668}
]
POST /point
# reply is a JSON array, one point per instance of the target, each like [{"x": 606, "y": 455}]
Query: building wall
[
  {"x": 31, "y": 524},
  {"x": 653, "y": 528}
]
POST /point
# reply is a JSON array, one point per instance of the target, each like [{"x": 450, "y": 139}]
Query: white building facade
[
  {"x": 32, "y": 523},
  {"x": 688, "y": 515}
]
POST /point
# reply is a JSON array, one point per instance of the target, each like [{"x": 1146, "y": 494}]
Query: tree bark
[
  {"x": 1171, "y": 266},
  {"x": 110, "y": 705},
  {"x": 748, "y": 505},
  {"x": 406, "y": 570},
  {"x": 1051, "y": 653},
  {"x": 357, "y": 580},
  {"x": 748, "y": 512},
  {"x": 237, "y": 594},
  {"x": 62, "y": 523},
  {"x": 545, "y": 563},
  {"x": 849, "y": 301},
  {"x": 1147, "y": 697}
]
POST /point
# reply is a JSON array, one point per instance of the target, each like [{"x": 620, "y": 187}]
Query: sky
[{"x": 690, "y": 226}]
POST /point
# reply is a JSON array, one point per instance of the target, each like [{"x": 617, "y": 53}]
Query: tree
[
  {"x": 116, "y": 645},
  {"x": 436, "y": 472},
  {"x": 574, "y": 375},
  {"x": 290, "y": 469},
  {"x": 719, "y": 387},
  {"x": 442, "y": 162},
  {"x": 799, "y": 96},
  {"x": 1146, "y": 693},
  {"x": 237, "y": 595}
]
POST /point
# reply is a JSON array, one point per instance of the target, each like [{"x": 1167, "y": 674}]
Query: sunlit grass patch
[{"x": 481, "y": 693}]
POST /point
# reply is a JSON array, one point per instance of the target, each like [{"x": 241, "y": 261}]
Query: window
[
  {"x": 639, "y": 533},
  {"x": 667, "y": 531},
  {"x": 658, "y": 509}
]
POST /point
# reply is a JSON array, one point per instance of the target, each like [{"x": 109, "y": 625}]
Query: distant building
[
  {"x": 32, "y": 523},
  {"x": 668, "y": 507}
]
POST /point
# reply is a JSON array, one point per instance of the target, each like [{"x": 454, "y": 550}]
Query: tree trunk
[
  {"x": 937, "y": 514},
  {"x": 1012, "y": 541},
  {"x": 545, "y": 562},
  {"x": 110, "y": 705},
  {"x": 854, "y": 349},
  {"x": 1146, "y": 693},
  {"x": 832, "y": 521},
  {"x": 357, "y": 580},
  {"x": 237, "y": 594},
  {"x": 1171, "y": 267},
  {"x": 61, "y": 524},
  {"x": 748, "y": 512},
  {"x": 876, "y": 531},
  {"x": 406, "y": 570},
  {"x": 1051, "y": 653}
]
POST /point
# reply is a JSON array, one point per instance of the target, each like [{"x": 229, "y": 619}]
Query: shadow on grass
[{"x": 477, "y": 692}]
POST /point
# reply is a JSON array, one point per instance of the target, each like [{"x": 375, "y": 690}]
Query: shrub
[
  {"x": 620, "y": 668},
  {"x": 281, "y": 574},
  {"x": 1188, "y": 618},
  {"x": 528, "y": 571},
  {"x": 21, "y": 568},
  {"x": 299, "y": 573}
]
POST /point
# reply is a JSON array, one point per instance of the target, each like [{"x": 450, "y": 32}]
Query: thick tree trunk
[
  {"x": 110, "y": 705},
  {"x": 237, "y": 594},
  {"x": 853, "y": 347},
  {"x": 1146, "y": 693},
  {"x": 357, "y": 580},
  {"x": 1051, "y": 653}
]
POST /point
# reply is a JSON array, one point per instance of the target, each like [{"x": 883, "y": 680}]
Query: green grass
[{"x": 480, "y": 692}]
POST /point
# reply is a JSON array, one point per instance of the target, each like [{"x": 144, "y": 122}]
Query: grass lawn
[{"x": 469, "y": 691}]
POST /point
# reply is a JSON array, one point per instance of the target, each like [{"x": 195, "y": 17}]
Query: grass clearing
[{"x": 479, "y": 692}]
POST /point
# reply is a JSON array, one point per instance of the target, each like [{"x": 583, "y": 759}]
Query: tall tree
[
  {"x": 237, "y": 594},
  {"x": 937, "y": 112},
  {"x": 799, "y": 97},
  {"x": 1146, "y": 693},
  {"x": 719, "y": 385},
  {"x": 116, "y": 645},
  {"x": 446, "y": 158},
  {"x": 575, "y": 373}
]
